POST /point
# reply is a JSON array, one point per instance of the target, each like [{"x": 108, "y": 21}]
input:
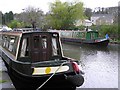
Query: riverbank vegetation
[
  {"x": 112, "y": 30},
  {"x": 1, "y": 80}
]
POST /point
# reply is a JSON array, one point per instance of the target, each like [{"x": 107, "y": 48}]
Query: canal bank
[
  {"x": 114, "y": 41},
  {"x": 6, "y": 82}
]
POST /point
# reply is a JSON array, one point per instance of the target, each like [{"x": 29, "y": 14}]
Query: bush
[
  {"x": 15, "y": 24},
  {"x": 111, "y": 30}
]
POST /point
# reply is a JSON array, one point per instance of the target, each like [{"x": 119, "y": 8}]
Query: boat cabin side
[
  {"x": 86, "y": 35},
  {"x": 9, "y": 43},
  {"x": 92, "y": 35},
  {"x": 31, "y": 46}
]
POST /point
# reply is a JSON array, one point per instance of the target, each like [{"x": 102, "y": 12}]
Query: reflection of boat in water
[
  {"x": 89, "y": 37},
  {"x": 94, "y": 49},
  {"x": 34, "y": 59},
  {"x": 75, "y": 51}
]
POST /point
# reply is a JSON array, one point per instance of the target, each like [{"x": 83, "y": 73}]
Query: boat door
[{"x": 40, "y": 47}]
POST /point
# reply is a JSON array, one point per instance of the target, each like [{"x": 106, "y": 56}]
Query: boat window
[
  {"x": 1, "y": 41},
  {"x": 54, "y": 47},
  {"x": 44, "y": 42},
  {"x": 92, "y": 36},
  {"x": 24, "y": 48},
  {"x": 77, "y": 34},
  {"x": 83, "y": 35},
  {"x": 5, "y": 40},
  {"x": 15, "y": 45},
  {"x": 11, "y": 44},
  {"x": 36, "y": 42}
]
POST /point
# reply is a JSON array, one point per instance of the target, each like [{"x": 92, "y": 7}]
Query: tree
[
  {"x": 11, "y": 16},
  {"x": 0, "y": 18},
  {"x": 88, "y": 12},
  {"x": 111, "y": 30},
  {"x": 7, "y": 17},
  {"x": 64, "y": 15},
  {"x": 15, "y": 24},
  {"x": 101, "y": 10},
  {"x": 33, "y": 17}
]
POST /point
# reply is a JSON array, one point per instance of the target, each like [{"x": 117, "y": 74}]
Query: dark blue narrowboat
[{"x": 35, "y": 60}]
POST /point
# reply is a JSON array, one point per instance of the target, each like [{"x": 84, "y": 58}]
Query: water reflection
[
  {"x": 71, "y": 51},
  {"x": 99, "y": 64}
]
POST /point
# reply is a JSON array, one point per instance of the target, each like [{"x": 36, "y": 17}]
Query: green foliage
[
  {"x": 112, "y": 30},
  {"x": 7, "y": 17},
  {"x": 94, "y": 27},
  {"x": 2, "y": 81},
  {"x": 88, "y": 13},
  {"x": 33, "y": 17},
  {"x": 64, "y": 15},
  {"x": 81, "y": 27},
  {"x": 16, "y": 24},
  {"x": 0, "y": 18}
]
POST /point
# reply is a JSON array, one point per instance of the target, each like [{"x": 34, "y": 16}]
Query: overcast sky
[{"x": 17, "y": 5}]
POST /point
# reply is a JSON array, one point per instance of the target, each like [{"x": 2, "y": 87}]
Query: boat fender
[{"x": 76, "y": 80}]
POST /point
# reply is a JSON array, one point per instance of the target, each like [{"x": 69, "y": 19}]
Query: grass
[
  {"x": 115, "y": 41},
  {"x": 3, "y": 81}
]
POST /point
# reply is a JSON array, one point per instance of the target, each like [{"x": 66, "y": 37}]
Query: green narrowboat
[{"x": 83, "y": 37}]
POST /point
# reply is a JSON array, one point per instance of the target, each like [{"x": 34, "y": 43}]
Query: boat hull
[
  {"x": 103, "y": 43},
  {"x": 100, "y": 42},
  {"x": 22, "y": 81},
  {"x": 57, "y": 81}
]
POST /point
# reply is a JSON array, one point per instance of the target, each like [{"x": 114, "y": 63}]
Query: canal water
[{"x": 99, "y": 64}]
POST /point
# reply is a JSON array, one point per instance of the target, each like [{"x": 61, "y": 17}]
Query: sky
[{"x": 17, "y": 6}]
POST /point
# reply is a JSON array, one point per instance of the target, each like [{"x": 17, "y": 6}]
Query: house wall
[{"x": 102, "y": 19}]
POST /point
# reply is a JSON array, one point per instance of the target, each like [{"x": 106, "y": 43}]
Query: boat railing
[{"x": 21, "y": 30}]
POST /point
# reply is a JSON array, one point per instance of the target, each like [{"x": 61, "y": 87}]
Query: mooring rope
[{"x": 51, "y": 76}]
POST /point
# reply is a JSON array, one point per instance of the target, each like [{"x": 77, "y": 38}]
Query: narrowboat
[
  {"x": 34, "y": 59},
  {"x": 88, "y": 37}
]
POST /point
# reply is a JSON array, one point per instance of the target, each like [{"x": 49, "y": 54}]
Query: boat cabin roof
[
  {"x": 92, "y": 31},
  {"x": 18, "y": 33}
]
